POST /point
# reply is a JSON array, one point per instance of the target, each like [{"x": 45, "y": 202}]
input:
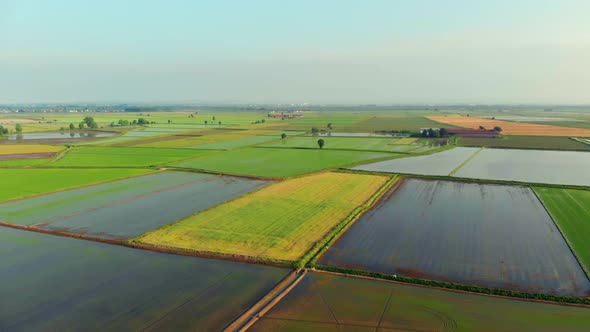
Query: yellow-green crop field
[
  {"x": 8, "y": 149},
  {"x": 280, "y": 222}
]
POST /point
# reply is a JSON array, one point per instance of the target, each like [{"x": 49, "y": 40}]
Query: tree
[
  {"x": 283, "y": 136},
  {"x": 206, "y": 122},
  {"x": 220, "y": 123},
  {"x": 321, "y": 143},
  {"x": 81, "y": 125},
  {"x": 482, "y": 127},
  {"x": 18, "y": 128},
  {"x": 213, "y": 118},
  {"x": 142, "y": 121},
  {"x": 329, "y": 126},
  {"x": 89, "y": 121},
  {"x": 93, "y": 125},
  {"x": 3, "y": 131},
  {"x": 443, "y": 132},
  {"x": 169, "y": 121},
  {"x": 314, "y": 131},
  {"x": 497, "y": 129},
  {"x": 72, "y": 127}
]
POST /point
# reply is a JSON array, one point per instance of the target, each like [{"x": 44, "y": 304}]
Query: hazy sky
[{"x": 282, "y": 51}]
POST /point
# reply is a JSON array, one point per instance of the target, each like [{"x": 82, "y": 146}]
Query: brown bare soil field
[
  {"x": 511, "y": 128},
  {"x": 26, "y": 156}
]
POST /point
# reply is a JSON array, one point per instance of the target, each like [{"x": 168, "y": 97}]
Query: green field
[
  {"x": 525, "y": 142},
  {"x": 571, "y": 211},
  {"x": 123, "y": 157},
  {"x": 280, "y": 222},
  {"x": 17, "y": 183},
  {"x": 345, "y": 143},
  {"x": 238, "y": 142},
  {"x": 325, "y": 302},
  {"x": 364, "y": 120},
  {"x": 267, "y": 162}
]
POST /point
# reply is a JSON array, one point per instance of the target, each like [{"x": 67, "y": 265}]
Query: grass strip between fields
[
  {"x": 313, "y": 255},
  {"x": 465, "y": 162}
]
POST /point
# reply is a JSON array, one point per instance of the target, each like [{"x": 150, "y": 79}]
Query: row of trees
[{"x": 442, "y": 132}]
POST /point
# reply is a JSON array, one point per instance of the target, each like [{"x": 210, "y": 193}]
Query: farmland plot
[
  {"x": 127, "y": 208},
  {"x": 280, "y": 222},
  {"x": 512, "y": 128},
  {"x": 486, "y": 235},
  {"x": 345, "y": 143},
  {"x": 441, "y": 163},
  {"x": 238, "y": 142},
  {"x": 526, "y": 142},
  {"x": 325, "y": 302},
  {"x": 52, "y": 283},
  {"x": 554, "y": 167},
  {"x": 21, "y": 149},
  {"x": 114, "y": 156},
  {"x": 18, "y": 183},
  {"x": 268, "y": 162}
]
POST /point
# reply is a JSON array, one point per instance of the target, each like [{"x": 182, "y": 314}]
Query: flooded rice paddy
[
  {"x": 554, "y": 167},
  {"x": 52, "y": 283},
  {"x": 487, "y": 235},
  {"x": 441, "y": 163},
  {"x": 127, "y": 208}
]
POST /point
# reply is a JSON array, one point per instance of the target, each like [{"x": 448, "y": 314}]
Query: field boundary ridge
[
  {"x": 472, "y": 289},
  {"x": 465, "y": 162},
  {"x": 321, "y": 246}
]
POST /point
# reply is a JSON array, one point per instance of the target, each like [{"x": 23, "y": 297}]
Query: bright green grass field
[
  {"x": 571, "y": 211},
  {"x": 17, "y": 183},
  {"x": 124, "y": 157},
  {"x": 270, "y": 162},
  {"x": 344, "y": 143}
]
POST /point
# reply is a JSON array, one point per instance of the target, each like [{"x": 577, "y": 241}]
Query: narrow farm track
[{"x": 267, "y": 302}]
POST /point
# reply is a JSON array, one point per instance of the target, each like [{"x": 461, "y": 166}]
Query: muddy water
[{"x": 487, "y": 235}]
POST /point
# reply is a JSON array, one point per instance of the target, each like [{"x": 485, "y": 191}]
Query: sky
[{"x": 320, "y": 52}]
